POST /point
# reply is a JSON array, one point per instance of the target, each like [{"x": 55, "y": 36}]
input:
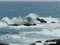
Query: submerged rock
[{"x": 41, "y": 20}]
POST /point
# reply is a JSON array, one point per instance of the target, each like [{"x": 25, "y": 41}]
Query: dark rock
[
  {"x": 54, "y": 40},
  {"x": 38, "y": 41},
  {"x": 27, "y": 24},
  {"x": 41, "y": 20},
  {"x": 3, "y": 44},
  {"x": 14, "y": 24},
  {"x": 53, "y": 22}
]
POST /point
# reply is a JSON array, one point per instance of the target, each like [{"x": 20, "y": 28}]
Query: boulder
[{"x": 41, "y": 20}]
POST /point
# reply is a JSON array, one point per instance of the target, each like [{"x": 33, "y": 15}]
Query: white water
[{"x": 28, "y": 34}]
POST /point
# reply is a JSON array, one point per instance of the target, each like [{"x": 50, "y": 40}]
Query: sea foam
[{"x": 21, "y": 20}]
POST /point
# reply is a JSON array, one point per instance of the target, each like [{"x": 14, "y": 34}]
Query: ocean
[{"x": 18, "y": 12}]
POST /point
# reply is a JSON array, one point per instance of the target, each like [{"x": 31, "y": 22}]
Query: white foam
[
  {"x": 42, "y": 30},
  {"x": 6, "y": 20},
  {"x": 39, "y": 44},
  {"x": 3, "y": 24},
  {"x": 47, "y": 27},
  {"x": 32, "y": 15},
  {"x": 13, "y": 37},
  {"x": 18, "y": 44},
  {"x": 22, "y": 20}
]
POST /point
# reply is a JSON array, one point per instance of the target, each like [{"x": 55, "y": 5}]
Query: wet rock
[
  {"x": 53, "y": 22},
  {"x": 53, "y": 42},
  {"x": 38, "y": 41},
  {"x": 3, "y": 44},
  {"x": 41, "y": 20},
  {"x": 27, "y": 24}
]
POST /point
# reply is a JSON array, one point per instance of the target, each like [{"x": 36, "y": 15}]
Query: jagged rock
[
  {"x": 3, "y": 44},
  {"x": 27, "y": 24},
  {"x": 41, "y": 20}
]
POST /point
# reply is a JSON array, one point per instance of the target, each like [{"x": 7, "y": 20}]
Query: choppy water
[{"x": 24, "y": 35}]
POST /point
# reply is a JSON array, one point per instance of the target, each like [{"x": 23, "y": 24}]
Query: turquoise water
[{"x": 26, "y": 35}]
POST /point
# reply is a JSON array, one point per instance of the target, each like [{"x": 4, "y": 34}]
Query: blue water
[
  {"x": 14, "y": 35},
  {"x": 11, "y": 9}
]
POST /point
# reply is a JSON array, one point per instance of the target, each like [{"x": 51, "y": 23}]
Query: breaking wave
[
  {"x": 27, "y": 34},
  {"x": 31, "y": 18}
]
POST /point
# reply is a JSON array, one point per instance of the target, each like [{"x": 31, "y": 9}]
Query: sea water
[{"x": 25, "y": 35}]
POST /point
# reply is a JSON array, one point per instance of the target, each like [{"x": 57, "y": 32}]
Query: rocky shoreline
[{"x": 47, "y": 42}]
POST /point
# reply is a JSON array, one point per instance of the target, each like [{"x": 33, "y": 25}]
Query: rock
[
  {"x": 53, "y": 22},
  {"x": 27, "y": 24},
  {"x": 38, "y": 41},
  {"x": 3, "y": 44},
  {"x": 53, "y": 42},
  {"x": 41, "y": 20},
  {"x": 14, "y": 24}
]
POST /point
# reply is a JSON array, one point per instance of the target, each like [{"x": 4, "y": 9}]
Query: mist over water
[{"x": 22, "y": 12}]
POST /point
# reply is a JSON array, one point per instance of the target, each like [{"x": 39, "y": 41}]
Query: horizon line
[{"x": 31, "y": 0}]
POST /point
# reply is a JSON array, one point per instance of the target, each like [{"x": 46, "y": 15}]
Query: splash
[{"x": 31, "y": 18}]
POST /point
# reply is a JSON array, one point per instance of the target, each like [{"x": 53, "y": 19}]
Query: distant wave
[{"x": 30, "y": 18}]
